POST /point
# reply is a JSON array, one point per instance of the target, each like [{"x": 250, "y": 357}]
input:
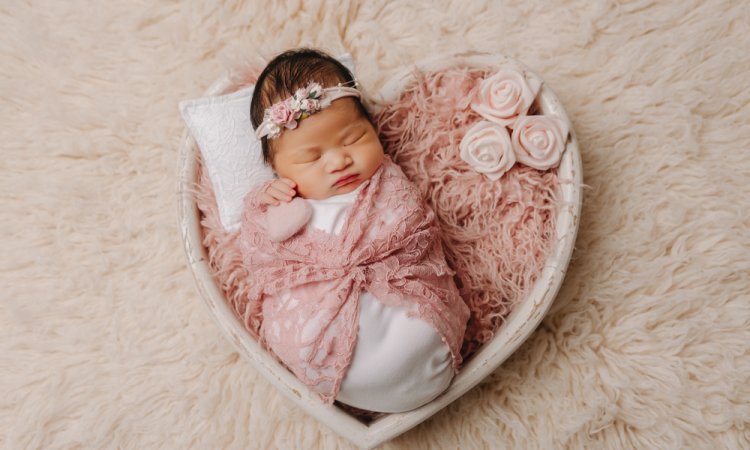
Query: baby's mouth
[{"x": 345, "y": 180}]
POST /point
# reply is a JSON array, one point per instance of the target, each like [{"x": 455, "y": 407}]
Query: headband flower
[
  {"x": 286, "y": 113},
  {"x": 305, "y": 102}
]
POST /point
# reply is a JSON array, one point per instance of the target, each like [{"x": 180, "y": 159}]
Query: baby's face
[{"x": 334, "y": 143}]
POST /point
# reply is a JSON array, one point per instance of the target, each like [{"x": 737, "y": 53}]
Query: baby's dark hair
[{"x": 290, "y": 71}]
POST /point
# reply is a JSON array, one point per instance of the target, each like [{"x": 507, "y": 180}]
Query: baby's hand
[{"x": 281, "y": 189}]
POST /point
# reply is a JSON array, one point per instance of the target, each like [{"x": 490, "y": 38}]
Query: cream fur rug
[{"x": 105, "y": 343}]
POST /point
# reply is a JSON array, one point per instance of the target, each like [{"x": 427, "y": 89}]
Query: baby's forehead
[
  {"x": 329, "y": 124},
  {"x": 345, "y": 118},
  {"x": 345, "y": 105},
  {"x": 341, "y": 115}
]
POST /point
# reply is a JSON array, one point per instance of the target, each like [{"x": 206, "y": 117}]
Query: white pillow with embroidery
[{"x": 232, "y": 155}]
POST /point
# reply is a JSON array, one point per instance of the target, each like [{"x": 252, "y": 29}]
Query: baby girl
[{"x": 346, "y": 264}]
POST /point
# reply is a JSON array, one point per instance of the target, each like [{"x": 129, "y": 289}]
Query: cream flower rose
[
  {"x": 506, "y": 95},
  {"x": 487, "y": 148},
  {"x": 539, "y": 141}
]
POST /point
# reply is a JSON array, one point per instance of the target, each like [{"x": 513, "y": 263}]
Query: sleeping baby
[{"x": 346, "y": 264}]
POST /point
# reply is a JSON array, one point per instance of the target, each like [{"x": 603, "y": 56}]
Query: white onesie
[{"x": 399, "y": 363}]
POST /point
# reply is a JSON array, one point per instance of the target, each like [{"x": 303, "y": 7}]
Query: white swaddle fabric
[{"x": 399, "y": 363}]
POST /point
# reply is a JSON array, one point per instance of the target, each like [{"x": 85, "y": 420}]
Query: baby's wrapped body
[{"x": 360, "y": 305}]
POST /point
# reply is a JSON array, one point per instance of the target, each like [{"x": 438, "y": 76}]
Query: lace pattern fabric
[{"x": 318, "y": 277}]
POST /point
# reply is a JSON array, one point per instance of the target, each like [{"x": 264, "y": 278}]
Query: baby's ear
[{"x": 287, "y": 218}]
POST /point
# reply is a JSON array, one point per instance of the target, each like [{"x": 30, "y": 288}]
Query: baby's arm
[{"x": 278, "y": 190}]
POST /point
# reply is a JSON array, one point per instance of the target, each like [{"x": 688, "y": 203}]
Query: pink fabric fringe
[{"x": 496, "y": 234}]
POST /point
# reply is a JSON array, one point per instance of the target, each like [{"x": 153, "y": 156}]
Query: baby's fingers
[
  {"x": 267, "y": 199},
  {"x": 280, "y": 193},
  {"x": 283, "y": 186},
  {"x": 288, "y": 182}
]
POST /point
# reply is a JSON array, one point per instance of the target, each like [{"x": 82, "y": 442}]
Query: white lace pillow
[{"x": 232, "y": 155}]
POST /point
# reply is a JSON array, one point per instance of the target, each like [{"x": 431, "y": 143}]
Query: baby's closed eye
[
  {"x": 355, "y": 138},
  {"x": 308, "y": 156}
]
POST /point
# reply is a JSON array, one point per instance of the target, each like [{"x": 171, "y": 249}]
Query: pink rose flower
[
  {"x": 487, "y": 148},
  {"x": 281, "y": 113},
  {"x": 505, "y": 96},
  {"x": 539, "y": 141},
  {"x": 309, "y": 105}
]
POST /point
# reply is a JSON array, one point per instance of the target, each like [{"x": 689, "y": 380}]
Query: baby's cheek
[
  {"x": 376, "y": 157},
  {"x": 313, "y": 190}
]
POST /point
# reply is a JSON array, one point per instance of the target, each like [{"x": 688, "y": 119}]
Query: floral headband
[{"x": 305, "y": 101}]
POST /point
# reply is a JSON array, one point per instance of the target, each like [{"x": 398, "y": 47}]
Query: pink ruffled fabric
[
  {"x": 400, "y": 262},
  {"x": 496, "y": 235}
]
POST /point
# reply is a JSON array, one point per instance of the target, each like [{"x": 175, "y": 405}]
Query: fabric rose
[
  {"x": 505, "y": 96},
  {"x": 281, "y": 113},
  {"x": 539, "y": 141},
  {"x": 487, "y": 148},
  {"x": 309, "y": 105}
]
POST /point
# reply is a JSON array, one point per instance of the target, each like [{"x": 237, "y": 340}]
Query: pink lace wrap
[{"x": 315, "y": 278}]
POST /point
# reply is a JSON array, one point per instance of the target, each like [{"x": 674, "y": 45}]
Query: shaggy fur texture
[
  {"x": 497, "y": 234},
  {"x": 104, "y": 340}
]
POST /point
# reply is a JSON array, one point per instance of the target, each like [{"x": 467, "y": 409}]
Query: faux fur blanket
[
  {"x": 389, "y": 246},
  {"x": 105, "y": 343}
]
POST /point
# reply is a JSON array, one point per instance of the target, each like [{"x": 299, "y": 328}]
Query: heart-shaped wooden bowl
[{"x": 519, "y": 324}]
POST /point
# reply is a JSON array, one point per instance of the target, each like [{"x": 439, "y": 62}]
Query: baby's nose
[{"x": 338, "y": 160}]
